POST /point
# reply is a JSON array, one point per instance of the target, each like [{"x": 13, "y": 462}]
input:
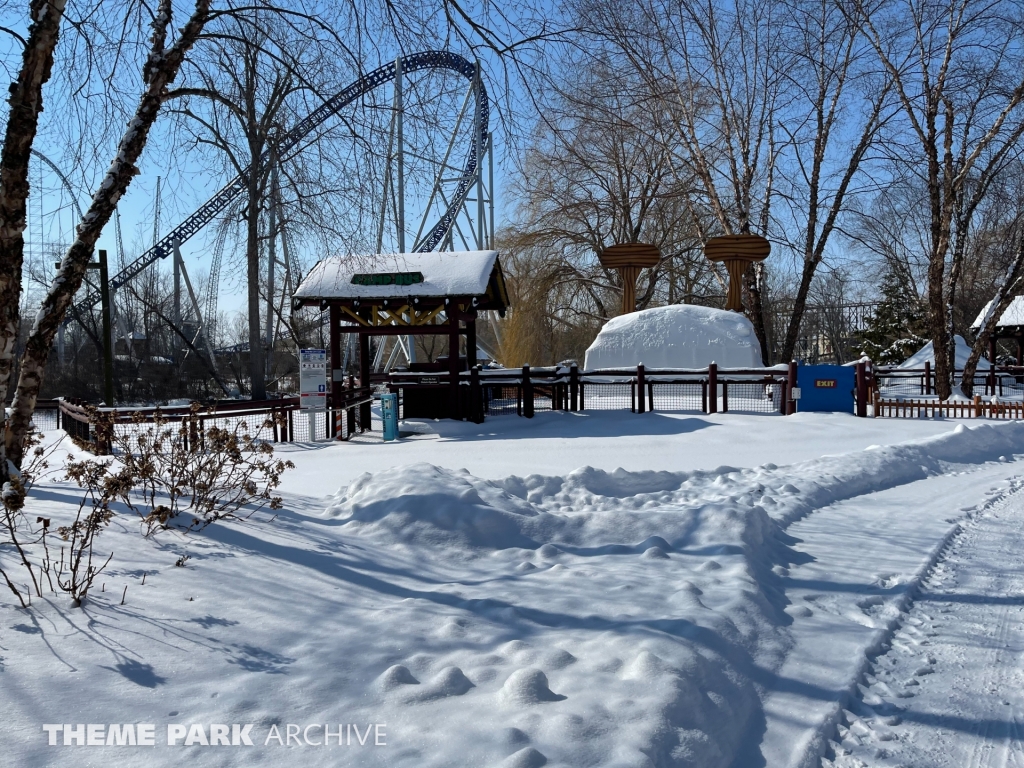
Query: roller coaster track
[{"x": 209, "y": 210}]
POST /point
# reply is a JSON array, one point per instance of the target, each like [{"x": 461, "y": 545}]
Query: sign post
[{"x": 313, "y": 385}]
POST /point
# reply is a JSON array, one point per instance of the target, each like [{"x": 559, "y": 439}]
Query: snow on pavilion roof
[
  {"x": 399, "y": 275},
  {"x": 1013, "y": 316}
]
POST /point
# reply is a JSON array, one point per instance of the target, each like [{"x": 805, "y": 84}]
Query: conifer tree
[{"x": 896, "y": 329}]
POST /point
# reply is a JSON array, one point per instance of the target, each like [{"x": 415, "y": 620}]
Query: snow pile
[
  {"x": 678, "y": 336},
  {"x": 926, "y": 354}
]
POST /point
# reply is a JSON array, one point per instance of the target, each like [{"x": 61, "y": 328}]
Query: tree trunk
[
  {"x": 939, "y": 330},
  {"x": 755, "y": 309},
  {"x": 158, "y": 72},
  {"x": 257, "y": 378},
  {"x": 26, "y": 102}
]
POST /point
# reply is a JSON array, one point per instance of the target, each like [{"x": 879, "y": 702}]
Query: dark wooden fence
[
  {"x": 525, "y": 391},
  {"x": 279, "y": 420}
]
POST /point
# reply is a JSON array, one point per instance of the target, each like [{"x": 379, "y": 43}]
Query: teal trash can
[{"x": 389, "y": 414}]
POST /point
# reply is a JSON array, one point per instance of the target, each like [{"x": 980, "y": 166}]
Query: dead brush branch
[{"x": 188, "y": 475}]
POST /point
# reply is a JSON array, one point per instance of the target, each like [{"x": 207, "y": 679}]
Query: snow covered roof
[
  {"x": 1014, "y": 314},
  {"x": 401, "y": 275},
  {"x": 677, "y": 336}
]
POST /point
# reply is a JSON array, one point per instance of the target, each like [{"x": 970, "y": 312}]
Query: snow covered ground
[{"x": 602, "y": 589}]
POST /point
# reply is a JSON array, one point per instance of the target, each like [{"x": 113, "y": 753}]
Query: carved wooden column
[
  {"x": 736, "y": 252},
  {"x": 629, "y": 259}
]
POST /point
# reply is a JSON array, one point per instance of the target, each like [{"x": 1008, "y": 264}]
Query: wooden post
[
  {"x": 977, "y": 406},
  {"x": 337, "y": 383},
  {"x": 990, "y": 380},
  {"x": 351, "y": 412},
  {"x": 574, "y": 388},
  {"x": 790, "y": 386},
  {"x": 862, "y": 389},
  {"x": 453, "y": 366},
  {"x": 641, "y": 389},
  {"x": 527, "y": 393},
  {"x": 704, "y": 397},
  {"x": 725, "y": 397},
  {"x": 471, "y": 342},
  {"x": 476, "y": 409},
  {"x": 650, "y": 396},
  {"x": 365, "y": 414},
  {"x": 713, "y": 388},
  {"x": 927, "y": 377},
  {"x": 783, "y": 396}
]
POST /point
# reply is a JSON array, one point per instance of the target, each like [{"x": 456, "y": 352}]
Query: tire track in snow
[
  {"x": 865, "y": 557},
  {"x": 962, "y": 706}
]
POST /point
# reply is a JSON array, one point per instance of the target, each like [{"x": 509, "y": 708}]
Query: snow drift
[{"x": 678, "y": 336}]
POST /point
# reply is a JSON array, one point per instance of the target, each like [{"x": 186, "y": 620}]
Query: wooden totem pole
[{"x": 629, "y": 259}]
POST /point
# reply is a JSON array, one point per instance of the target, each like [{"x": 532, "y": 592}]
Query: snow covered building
[{"x": 406, "y": 294}]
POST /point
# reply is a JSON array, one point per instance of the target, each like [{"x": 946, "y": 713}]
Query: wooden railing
[
  {"x": 570, "y": 389},
  {"x": 93, "y": 427},
  {"x": 954, "y": 409}
]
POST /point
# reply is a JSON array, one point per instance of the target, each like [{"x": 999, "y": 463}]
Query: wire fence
[{"x": 751, "y": 397}]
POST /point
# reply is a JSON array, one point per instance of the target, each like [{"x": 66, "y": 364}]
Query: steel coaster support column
[
  {"x": 400, "y": 159},
  {"x": 478, "y": 132},
  {"x": 199, "y": 318},
  {"x": 176, "y": 262},
  {"x": 108, "y": 351},
  {"x": 490, "y": 189}
]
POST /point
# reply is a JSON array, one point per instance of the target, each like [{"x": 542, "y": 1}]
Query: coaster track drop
[{"x": 209, "y": 210}]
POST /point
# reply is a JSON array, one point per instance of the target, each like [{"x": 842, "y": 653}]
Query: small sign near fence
[{"x": 313, "y": 378}]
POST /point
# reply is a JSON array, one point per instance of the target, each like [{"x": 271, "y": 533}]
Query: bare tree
[
  {"x": 26, "y": 102},
  {"x": 158, "y": 72},
  {"x": 956, "y": 69},
  {"x": 598, "y": 171},
  {"x": 835, "y": 95},
  {"x": 715, "y": 68}
]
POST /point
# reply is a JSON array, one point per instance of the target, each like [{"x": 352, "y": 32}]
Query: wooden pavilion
[
  {"x": 1009, "y": 326},
  {"x": 405, "y": 294}
]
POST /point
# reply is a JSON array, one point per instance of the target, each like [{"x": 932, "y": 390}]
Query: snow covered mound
[
  {"x": 679, "y": 336},
  {"x": 616, "y": 614},
  {"x": 433, "y": 506},
  {"x": 926, "y": 354}
]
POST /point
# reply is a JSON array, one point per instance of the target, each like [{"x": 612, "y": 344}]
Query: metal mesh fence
[
  {"x": 889, "y": 386},
  {"x": 678, "y": 396},
  {"x": 606, "y": 396},
  {"x": 544, "y": 397},
  {"x": 312, "y": 425},
  {"x": 501, "y": 398},
  {"x": 44, "y": 419},
  {"x": 752, "y": 396}
]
